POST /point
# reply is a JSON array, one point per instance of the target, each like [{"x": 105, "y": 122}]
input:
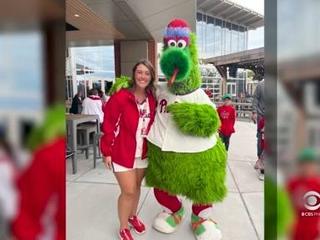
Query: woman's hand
[{"x": 107, "y": 162}]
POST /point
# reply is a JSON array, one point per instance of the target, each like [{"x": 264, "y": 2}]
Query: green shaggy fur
[
  {"x": 194, "y": 119},
  {"x": 53, "y": 126},
  {"x": 176, "y": 58},
  {"x": 193, "y": 81},
  {"x": 283, "y": 211},
  {"x": 120, "y": 82},
  {"x": 198, "y": 176}
]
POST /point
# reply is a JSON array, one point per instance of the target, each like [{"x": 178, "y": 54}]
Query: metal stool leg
[
  {"x": 74, "y": 164},
  {"x": 94, "y": 153},
  {"x": 96, "y": 138}
]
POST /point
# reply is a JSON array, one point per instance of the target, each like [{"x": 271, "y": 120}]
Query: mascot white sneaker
[
  {"x": 168, "y": 222},
  {"x": 205, "y": 229}
]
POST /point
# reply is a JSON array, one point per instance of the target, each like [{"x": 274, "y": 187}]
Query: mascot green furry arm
[
  {"x": 120, "y": 82},
  {"x": 199, "y": 120}
]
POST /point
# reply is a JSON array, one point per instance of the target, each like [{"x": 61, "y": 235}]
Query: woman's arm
[{"x": 112, "y": 112}]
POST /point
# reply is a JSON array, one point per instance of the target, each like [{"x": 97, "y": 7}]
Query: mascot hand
[
  {"x": 120, "y": 83},
  {"x": 199, "y": 120}
]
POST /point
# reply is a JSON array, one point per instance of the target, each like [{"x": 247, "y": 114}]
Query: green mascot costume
[{"x": 186, "y": 155}]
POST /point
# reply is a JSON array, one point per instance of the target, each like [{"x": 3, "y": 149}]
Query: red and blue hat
[{"x": 177, "y": 29}]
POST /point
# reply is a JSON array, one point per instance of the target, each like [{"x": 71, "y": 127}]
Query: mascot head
[{"x": 179, "y": 59}]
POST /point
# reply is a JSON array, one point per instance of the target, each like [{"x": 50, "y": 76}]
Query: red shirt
[
  {"x": 306, "y": 227},
  {"x": 42, "y": 195},
  {"x": 121, "y": 111},
  {"x": 227, "y": 116}
]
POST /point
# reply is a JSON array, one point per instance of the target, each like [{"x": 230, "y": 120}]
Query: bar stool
[
  {"x": 70, "y": 154},
  {"x": 84, "y": 146},
  {"x": 96, "y": 141},
  {"x": 84, "y": 131}
]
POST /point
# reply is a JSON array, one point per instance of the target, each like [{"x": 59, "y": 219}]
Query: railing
[{"x": 244, "y": 110}]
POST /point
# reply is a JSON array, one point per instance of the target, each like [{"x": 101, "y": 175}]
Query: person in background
[
  {"x": 208, "y": 91},
  {"x": 304, "y": 190},
  {"x": 92, "y": 105},
  {"x": 130, "y": 111},
  {"x": 258, "y": 109},
  {"x": 103, "y": 97},
  {"x": 227, "y": 115},
  {"x": 76, "y": 106},
  {"x": 261, "y": 143},
  {"x": 8, "y": 192}
]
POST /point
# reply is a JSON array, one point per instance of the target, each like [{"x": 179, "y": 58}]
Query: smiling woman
[{"x": 129, "y": 112}]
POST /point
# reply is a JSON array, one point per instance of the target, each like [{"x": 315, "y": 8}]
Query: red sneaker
[
  {"x": 125, "y": 234},
  {"x": 137, "y": 225}
]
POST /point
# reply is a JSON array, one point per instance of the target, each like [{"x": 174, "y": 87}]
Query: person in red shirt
[
  {"x": 208, "y": 91},
  {"x": 304, "y": 190},
  {"x": 227, "y": 115},
  {"x": 129, "y": 114}
]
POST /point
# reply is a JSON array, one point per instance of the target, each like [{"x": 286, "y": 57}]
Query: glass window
[
  {"x": 242, "y": 46},
  {"x": 234, "y": 38},
  {"x": 233, "y": 89},
  {"x": 228, "y": 38},
  {"x": 201, "y": 30},
  {"x": 200, "y": 38},
  {"x": 218, "y": 37},
  {"x": 199, "y": 16},
  {"x": 210, "y": 20},
  {"x": 94, "y": 62},
  {"x": 210, "y": 37},
  {"x": 93, "y": 66}
]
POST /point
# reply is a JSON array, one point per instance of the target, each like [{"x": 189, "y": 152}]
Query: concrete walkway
[{"x": 92, "y": 196}]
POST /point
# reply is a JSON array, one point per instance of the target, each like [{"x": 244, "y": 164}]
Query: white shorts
[{"x": 138, "y": 163}]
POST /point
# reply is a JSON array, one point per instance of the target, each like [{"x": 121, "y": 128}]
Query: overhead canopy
[
  {"x": 232, "y": 12},
  {"x": 155, "y": 14},
  {"x": 90, "y": 27},
  {"x": 252, "y": 59},
  {"x": 102, "y": 21},
  {"x": 242, "y": 57}
]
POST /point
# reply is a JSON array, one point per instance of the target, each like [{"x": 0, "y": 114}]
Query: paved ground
[{"x": 92, "y": 196}]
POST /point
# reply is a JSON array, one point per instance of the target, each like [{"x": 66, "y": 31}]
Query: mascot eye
[
  {"x": 181, "y": 43},
  {"x": 172, "y": 43}
]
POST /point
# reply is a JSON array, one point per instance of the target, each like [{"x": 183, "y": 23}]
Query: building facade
[
  {"x": 218, "y": 37},
  {"x": 89, "y": 67}
]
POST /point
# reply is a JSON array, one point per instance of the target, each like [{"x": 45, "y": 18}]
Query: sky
[
  {"x": 255, "y": 5},
  {"x": 21, "y": 70}
]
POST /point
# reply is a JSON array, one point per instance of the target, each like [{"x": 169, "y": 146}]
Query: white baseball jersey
[
  {"x": 165, "y": 134},
  {"x": 93, "y": 106}
]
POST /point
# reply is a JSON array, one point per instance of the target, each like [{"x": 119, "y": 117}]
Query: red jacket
[
  {"x": 42, "y": 195},
  {"x": 121, "y": 109},
  {"x": 307, "y": 222},
  {"x": 227, "y": 116}
]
